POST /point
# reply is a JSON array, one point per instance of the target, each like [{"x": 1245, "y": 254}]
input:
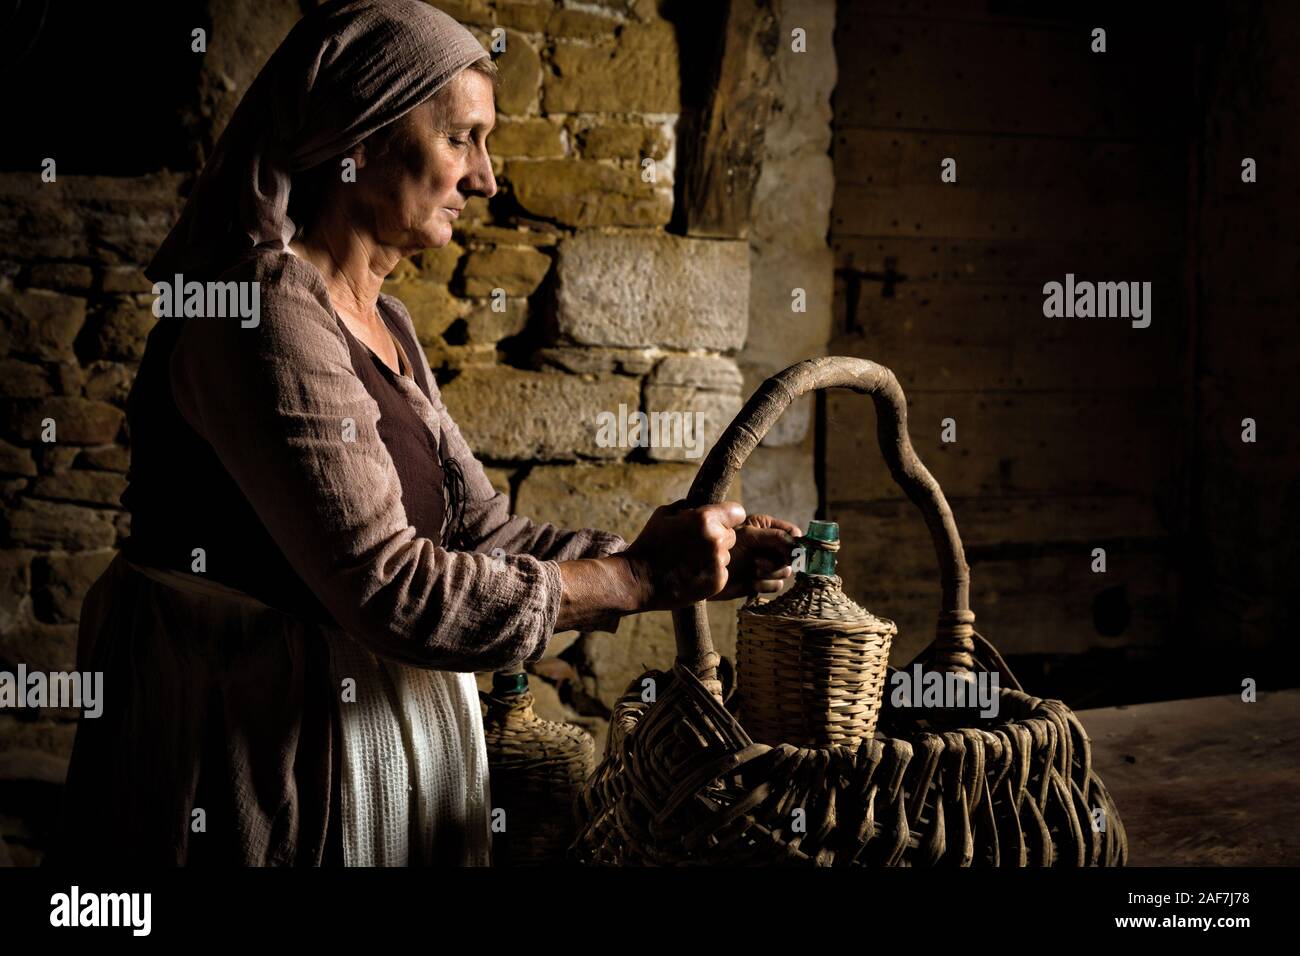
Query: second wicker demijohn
[
  {"x": 536, "y": 768},
  {"x": 684, "y": 782}
]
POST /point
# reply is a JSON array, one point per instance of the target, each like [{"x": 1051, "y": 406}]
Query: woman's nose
[{"x": 481, "y": 180}]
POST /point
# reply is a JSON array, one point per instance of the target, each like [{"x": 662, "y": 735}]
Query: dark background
[{"x": 1078, "y": 433}]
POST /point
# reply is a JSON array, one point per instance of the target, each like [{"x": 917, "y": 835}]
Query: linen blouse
[{"x": 283, "y": 452}]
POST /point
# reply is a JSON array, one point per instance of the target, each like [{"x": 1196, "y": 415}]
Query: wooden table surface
[{"x": 1211, "y": 781}]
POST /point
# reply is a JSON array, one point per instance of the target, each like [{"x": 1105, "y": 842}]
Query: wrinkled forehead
[{"x": 466, "y": 102}]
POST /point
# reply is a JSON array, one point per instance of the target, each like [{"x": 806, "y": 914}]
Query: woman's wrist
[
  {"x": 595, "y": 588},
  {"x": 637, "y": 584}
]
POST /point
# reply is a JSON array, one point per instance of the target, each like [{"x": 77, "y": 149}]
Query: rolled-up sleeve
[{"x": 282, "y": 407}]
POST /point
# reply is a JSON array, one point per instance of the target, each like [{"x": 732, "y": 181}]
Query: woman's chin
[{"x": 437, "y": 234}]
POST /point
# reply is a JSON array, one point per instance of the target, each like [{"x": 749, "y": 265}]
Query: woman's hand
[
  {"x": 682, "y": 554},
  {"x": 760, "y": 560}
]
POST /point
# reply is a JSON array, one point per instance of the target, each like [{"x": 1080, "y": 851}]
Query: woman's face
[{"x": 410, "y": 194}]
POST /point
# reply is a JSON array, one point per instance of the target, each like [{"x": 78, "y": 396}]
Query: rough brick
[
  {"x": 54, "y": 525},
  {"x": 636, "y": 72},
  {"x": 582, "y": 193},
  {"x": 612, "y": 497},
  {"x": 642, "y": 291},
  {"x": 527, "y": 15},
  {"x": 518, "y": 271},
  {"x": 432, "y": 307},
  {"x": 41, "y": 324},
  {"x": 622, "y": 141},
  {"x": 120, "y": 333},
  {"x": 512, "y": 415},
  {"x": 484, "y": 326},
  {"x": 20, "y": 379},
  {"x": 81, "y": 486},
  {"x": 78, "y": 421},
  {"x": 530, "y": 137},
  {"x": 15, "y": 460},
  {"x": 521, "y": 73},
  {"x": 107, "y": 458},
  {"x": 60, "y": 583}
]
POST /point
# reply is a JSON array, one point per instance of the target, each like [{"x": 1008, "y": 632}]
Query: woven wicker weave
[
  {"x": 536, "y": 767},
  {"x": 811, "y": 666},
  {"x": 683, "y": 783}
]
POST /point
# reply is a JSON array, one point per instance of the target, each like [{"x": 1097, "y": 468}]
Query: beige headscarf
[{"x": 345, "y": 70}]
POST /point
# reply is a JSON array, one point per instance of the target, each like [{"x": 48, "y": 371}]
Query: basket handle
[{"x": 954, "y": 645}]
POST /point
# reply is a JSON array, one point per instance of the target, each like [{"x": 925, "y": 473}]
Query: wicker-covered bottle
[
  {"x": 536, "y": 769},
  {"x": 811, "y": 663}
]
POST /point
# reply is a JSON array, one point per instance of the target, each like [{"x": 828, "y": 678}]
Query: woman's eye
[{"x": 459, "y": 142}]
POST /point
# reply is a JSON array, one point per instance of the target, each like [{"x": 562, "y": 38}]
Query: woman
[{"x": 289, "y": 634}]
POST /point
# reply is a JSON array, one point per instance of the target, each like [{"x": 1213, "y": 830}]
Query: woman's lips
[{"x": 454, "y": 212}]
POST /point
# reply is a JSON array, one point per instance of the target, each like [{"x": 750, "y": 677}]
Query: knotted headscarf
[{"x": 344, "y": 71}]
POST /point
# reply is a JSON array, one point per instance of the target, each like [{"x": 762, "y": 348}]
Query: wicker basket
[
  {"x": 536, "y": 769},
  {"x": 683, "y": 783},
  {"x": 811, "y": 664}
]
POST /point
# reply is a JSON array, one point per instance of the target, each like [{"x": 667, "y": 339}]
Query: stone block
[
  {"x": 540, "y": 234},
  {"x": 478, "y": 13},
  {"x": 635, "y": 71},
  {"x": 107, "y": 458},
  {"x": 521, "y": 74},
  {"x": 60, "y": 583},
  {"x": 15, "y": 585},
  {"x": 71, "y": 276},
  {"x": 78, "y": 421},
  {"x": 120, "y": 332},
  {"x": 622, "y": 141},
  {"x": 513, "y": 415},
  {"x": 702, "y": 415},
  {"x": 590, "y": 361},
  {"x": 642, "y": 291},
  {"x": 696, "y": 385},
  {"x": 586, "y": 24},
  {"x": 43, "y": 647},
  {"x": 517, "y": 270},
  {"x": 500, "y": 479},
  {"x": 81, "y": 486},
  {"x": 115, "y": 220},
  {"x": 709, "y": 372},
  {"x": 439, "y": 265},
  {"x": 121, "y": 279},
  {"x": 538, "y": 138},
  {"x": 40, "y": 324},
  {"x": 611, "y": 497},
  {"x": 582, "y": 193},
  {"x": 527, "y": 15},
  {"x": 778, "y": 336},
  {"x": 791, "y": 207},
  {"x": 58, "y": 526},
  {"x": 15, "y": 460},
  {"x": 20, "y": 379},
  {"x": 485, "y": 326},
  {"x": 109, "y": 382},
  {"x": 432, "y": 307},
  {"x": 801, "y": 116}
]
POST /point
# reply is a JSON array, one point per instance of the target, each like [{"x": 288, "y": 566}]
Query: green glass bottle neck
[
  {"x": 818, "y": 560},
  {"x": 506, "y": 684}
]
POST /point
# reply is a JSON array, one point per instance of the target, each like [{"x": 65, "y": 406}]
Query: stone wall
[{"x": 598, "y": 306}]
